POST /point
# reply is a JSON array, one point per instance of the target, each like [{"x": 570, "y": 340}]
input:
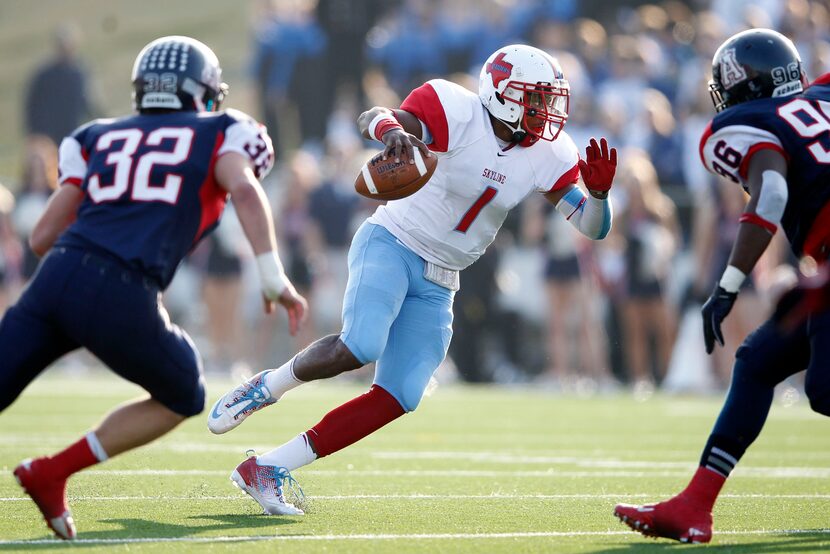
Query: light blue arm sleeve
[{"x": 591, "y": 216}]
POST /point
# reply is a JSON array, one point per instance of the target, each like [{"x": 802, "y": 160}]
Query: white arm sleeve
[
  {"x": 773, "y": 197},
  {"x": 590, "y": 216}
]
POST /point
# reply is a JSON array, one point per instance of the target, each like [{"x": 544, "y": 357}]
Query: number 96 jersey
[
  {"x": 798, "y": 127},
  {"x": 148, "y": 178}
]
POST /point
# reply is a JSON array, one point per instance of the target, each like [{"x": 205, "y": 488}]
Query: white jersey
[{"x": 453, "y": 219}]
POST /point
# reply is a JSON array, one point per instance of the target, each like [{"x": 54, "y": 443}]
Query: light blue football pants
[{"x": 393, "y": 315}]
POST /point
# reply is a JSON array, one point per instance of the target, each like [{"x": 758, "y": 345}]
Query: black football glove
[{"x": 714, "y": 312}]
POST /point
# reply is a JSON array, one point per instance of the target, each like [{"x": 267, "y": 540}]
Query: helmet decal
[
  {"x": 499, "y": 69},
  {"x": 730, "y": 70},
  {"x": 753, "y": 64}
]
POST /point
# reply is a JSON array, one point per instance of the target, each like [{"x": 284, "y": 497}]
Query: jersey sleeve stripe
[
  {"x": 76, "y": 181},
  {"x": 212, "y": 197},
  {"x": 423, "y": 103},
  {"x": 743, "y": 169},
  {"x": 756, "y": 219},
  {"x": 822, "y": 80},
  {"x": 570, "y": 177}
]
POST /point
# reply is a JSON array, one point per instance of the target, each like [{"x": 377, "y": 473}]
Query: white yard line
[
  {"x": 498, "y": 496},
  {"x": 392, "y": 537},
  {"x": 759, "y": 472}
]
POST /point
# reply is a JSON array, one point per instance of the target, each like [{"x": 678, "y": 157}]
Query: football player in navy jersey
[
  {"x": 772, "y": 137},
  {"x": 137, "y": 193}
]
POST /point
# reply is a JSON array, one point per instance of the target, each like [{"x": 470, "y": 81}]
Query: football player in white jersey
[{"x": 494, "y": 149}]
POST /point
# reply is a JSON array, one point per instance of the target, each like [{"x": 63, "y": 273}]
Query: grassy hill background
[{"x": 112, "y": 34}]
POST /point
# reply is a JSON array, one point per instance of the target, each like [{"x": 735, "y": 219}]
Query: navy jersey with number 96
[
  {"x": 148, "y": 178},
  {"x": 798, "y": 127}
]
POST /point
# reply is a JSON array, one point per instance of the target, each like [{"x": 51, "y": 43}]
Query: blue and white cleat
[
  {"x": 236, "y": 405},
  {"x": 265, "y": 484}
]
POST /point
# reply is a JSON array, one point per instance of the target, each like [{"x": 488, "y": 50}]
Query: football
[{"x": 381, "y": 179}]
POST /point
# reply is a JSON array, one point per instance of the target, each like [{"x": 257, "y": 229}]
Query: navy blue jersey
[
  {"x": 150, "y": 193},
  {"x": 797, "y": 126}
]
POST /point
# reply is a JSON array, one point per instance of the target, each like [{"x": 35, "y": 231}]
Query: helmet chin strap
[{"x": 519, "y": 134}]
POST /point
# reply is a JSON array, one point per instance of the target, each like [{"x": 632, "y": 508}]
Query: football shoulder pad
[
  {"x": 445, "y": 108},
  {"x": 248, "y": 137}
]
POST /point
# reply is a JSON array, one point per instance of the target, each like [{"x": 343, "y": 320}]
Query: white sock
[
  {"x": 295, "y": 453},
  {"x": 281, "y": 380},
  {"x": 95, "y": 446}
]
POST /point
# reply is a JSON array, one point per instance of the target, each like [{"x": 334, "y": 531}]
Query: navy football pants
[
  {"x": 83, "y": 299},
  {"x": 766, "y": 358}
]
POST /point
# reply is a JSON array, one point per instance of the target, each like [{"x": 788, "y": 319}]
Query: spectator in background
[
  {"x": 345, "y": 24},
  {"x": 409, "y": 47},
  {"x": 10, "y": 250},
  {"x": 57, "y": 96},
  {"x": 222, "y": 296},
  {"x": 285, "y": 34},
  {"x": 629, "y": 76},
  {"x": 709, "y": 31},
  {"x": 302, "y": 243},
  {"x": 576, "y": 353},
  {"x": 39, "y": 178},
  {"x": 591, "y": 46},
  {"x": 656, "y": 133},
  {"x": 334, "y": 211},
  {"x": 499, "y": 25},
  {"x": 648, "y": 221}
]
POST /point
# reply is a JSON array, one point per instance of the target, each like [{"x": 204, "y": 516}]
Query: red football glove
[{"x": 598, "y": 167}]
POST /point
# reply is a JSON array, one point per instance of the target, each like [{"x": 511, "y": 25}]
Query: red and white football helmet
[{"x": 524, "y": 88}]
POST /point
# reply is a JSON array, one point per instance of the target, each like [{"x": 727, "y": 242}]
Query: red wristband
[{"x": 382, "y": 124}]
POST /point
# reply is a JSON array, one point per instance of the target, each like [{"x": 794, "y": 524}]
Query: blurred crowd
[{"x": 543, "y": 305}]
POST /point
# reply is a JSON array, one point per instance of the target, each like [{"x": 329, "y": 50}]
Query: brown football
[{"x": 381, "y": 179}]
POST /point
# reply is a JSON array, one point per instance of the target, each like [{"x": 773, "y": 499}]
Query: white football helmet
[{"x": 524, "y": 87}]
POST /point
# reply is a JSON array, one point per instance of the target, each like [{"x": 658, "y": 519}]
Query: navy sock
[{"x": 740, "y": 421}]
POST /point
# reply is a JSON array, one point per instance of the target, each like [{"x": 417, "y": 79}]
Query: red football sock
[
  {"x": 71, "y": 460},
  {"x": 704, "y": 487},
  {"x": 354, "y": 420}
]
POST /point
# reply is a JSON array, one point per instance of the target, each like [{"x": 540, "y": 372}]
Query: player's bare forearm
[
  {"x": 409, "y": 122},
  {"x": 750, "y": 244},
  {"x": 59, "y": 214},
  {"x": 234, "y": 174},
  {"x": 255, "y": 216}
]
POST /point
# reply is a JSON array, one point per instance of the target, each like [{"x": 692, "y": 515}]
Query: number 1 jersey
[
  {"x": 456, "y": 215},
  {"x": 150, "y": 192}
]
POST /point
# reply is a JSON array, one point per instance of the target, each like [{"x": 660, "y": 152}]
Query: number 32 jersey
[
  {"x": 796, "y": 126},
  {"x": 456, "y": 215},
  {"x": 150, "y": 192}
]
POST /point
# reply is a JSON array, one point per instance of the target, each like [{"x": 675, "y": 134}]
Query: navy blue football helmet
[
  {"x": 177, "y": 73},
  {"x": 758, "y": 63}
]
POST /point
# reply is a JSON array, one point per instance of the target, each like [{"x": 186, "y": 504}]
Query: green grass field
[{"x": 474, "y": 469}]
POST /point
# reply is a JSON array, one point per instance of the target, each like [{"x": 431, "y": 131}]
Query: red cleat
[
  {"x": 49, "y": 495},
  {"x": 265, "y": 484},
  {"x": 676, "y": 518}
]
